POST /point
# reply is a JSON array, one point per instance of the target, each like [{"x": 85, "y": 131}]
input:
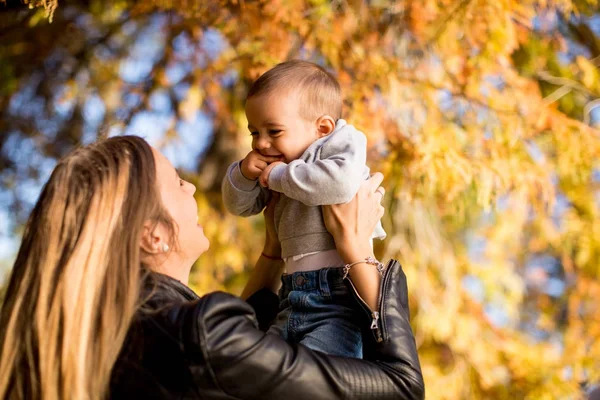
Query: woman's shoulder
[{"x": 167, "y": 341}]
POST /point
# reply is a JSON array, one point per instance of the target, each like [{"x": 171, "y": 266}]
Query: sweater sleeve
[
  {"x": 331, "y": 179},
  {"x": 242, "y": 196}
]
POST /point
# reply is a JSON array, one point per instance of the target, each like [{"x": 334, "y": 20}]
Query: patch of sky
[
  {"x": 487, "y": 217},
  {"x": 503, "y": 203},
  {"x": 8, "y": 243},
  {"x": 63, "y": 102},
  {"x": 544, "y": 22},
  {"x": 193, "y": 139},
  {"x": 461, "y": 106},
  {"x": 200, "y": 60},
  {"x": 102, "y": 52},
  {"x": 563, "y": 57},
  {"x": 129, "y": 27},
  {"x": 48, "y": 127},
  {"x": 120, "y": 40},
  {"x": 115, "y": 130},
  {"x": 183, "y": 46},
  {"x": 28, "y": 190},
  {"x": 149, "y": 125},
  {"x": 24, "y": 103},
  {"x": 181, "y": 90},
  {"x": 476, "y": 247},
  {"x": 229, "y": 78},
  {"x": 555, "y": 287},
  {"x": 554, "y": 178},
  {"x": 544, "y": 273},
  {"x": 55, "y": 59},
  {"x": 534, "y": 332},
  {"x": 488, "y": 119},
  {"x": 596, "y": 179},
  {"x": 497, "y": 315},
  {"x": 160, "y": 102},
  {"x": 177, "y": 71},
  {"x": 145, "y": 51},
  {"x": 93, "y": 110},
  {"x": 131, "y": 99},
  {"x": 82, "y": 78},
  {"x": 574, "y": 48},
  {"x": 561, "y": 205},
  {"x": 135, "y": 70},
  {"x": 595, "y": 116},
  {"x": 496, "y": 81},
  {"x": 444, "y": 100},
  {"x": 84, "y": 21},
  {"x": 593, "y": 22},
  {"x": 26, "y": 156},
  {"x": 19, "y": 149},
  {"x": 70, "y": 12},
  {"x": 474, "y": 287},
  {"x": 535, "y": 152},
  {"x": 93, "y": 113},
  {"x": 7, "y": 181},
  {"x": 213, "y": 43}
]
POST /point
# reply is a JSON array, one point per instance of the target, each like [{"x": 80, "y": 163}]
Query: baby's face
[{"x": 276, "y": 126}]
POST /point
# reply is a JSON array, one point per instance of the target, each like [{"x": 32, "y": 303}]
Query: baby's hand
[
  {"x": 254, "y": 164},
  {"x": 264, "y": 176}
]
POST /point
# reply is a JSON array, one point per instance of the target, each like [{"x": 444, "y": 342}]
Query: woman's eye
[
  {"x": 274, "y": 131},
  {"x": 253, "y": 133}
]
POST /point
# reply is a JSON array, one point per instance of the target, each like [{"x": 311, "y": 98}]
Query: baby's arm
[
  {"x": 243, "y": 196},
  {"x": 269, "y": 267},
  {"x": 332, "y": 179}
]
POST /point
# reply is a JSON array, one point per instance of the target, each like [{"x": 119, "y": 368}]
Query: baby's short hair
[{"x": 320, "y": 92}]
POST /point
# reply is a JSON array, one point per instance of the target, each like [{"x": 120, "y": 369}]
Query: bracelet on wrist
[
  {"x": 369, "y": 260},
  {"x": 270, "y": 257}
]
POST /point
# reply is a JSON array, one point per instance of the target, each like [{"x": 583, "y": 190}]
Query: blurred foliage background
[{"x": 481, "y": 114}]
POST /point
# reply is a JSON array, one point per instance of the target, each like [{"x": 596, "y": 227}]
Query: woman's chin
[{"x": 203, "y": 244}]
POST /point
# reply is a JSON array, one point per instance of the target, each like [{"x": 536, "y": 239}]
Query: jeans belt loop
[{"x": 324, "y": 282}]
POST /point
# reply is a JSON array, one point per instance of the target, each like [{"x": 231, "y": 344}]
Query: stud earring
[{"x": 165, "y": 248}]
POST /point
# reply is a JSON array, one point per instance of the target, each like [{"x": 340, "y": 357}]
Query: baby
[{"x": 302, "y": 149}]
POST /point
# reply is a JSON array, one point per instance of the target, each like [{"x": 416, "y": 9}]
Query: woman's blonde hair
[{"x": 74, "y": 287}]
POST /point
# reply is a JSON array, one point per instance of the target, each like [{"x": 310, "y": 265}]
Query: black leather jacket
[{"x": 186, "y": 347}]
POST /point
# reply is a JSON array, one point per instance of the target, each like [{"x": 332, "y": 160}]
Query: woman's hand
[
  {"x": 272, "y": 245},
  {"x": 352, "y": 224}
]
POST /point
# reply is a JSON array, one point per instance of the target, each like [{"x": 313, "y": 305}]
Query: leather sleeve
[
  {"x": 266, "y": 306},
  {"x": 246, "y": 363}
]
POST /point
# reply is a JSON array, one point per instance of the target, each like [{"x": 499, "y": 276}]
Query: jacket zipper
[
  {"x": 376, "y": 322},
  {"x": 384, "y": 284}
]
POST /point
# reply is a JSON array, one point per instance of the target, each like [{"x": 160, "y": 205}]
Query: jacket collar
[{"x": 160, "y": 289}]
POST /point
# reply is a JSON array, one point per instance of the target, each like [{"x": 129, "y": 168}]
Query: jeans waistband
[{"x": 323, "y": 280}]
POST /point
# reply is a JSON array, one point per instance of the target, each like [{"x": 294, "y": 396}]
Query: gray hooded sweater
[{"x": 330, "y": 171}]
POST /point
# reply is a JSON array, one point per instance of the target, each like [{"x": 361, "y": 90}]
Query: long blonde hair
[{"x": 74, "y": 287}]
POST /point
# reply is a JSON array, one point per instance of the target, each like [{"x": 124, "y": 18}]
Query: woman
[{"x": 82, "y": 320}]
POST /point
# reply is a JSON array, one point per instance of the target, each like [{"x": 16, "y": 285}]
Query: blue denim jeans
[{"x": 318, "y": 311}]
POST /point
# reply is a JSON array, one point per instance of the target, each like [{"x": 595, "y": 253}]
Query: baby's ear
[{"x": 325, "y": 125}]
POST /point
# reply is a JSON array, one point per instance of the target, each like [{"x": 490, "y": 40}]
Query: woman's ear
[
  {"x": 153, "y": 238},
  {"x": 325, "y": 125}
]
